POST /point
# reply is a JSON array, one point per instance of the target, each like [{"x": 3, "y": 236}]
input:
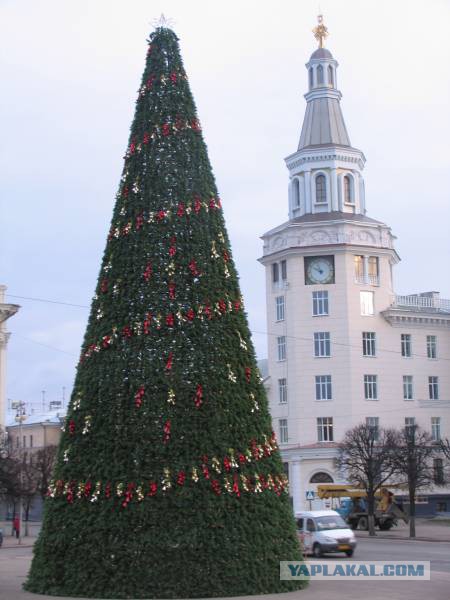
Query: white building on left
[{"x": 6, "y": 311}]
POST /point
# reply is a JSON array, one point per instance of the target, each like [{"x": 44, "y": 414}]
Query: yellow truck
[{"x": 351, "y": 503}]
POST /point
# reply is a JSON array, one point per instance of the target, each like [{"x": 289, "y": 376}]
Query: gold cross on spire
[{"x": 320, "y": 32}]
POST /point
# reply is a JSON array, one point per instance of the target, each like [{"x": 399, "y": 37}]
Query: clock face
[{"x": 319, "y": 269}]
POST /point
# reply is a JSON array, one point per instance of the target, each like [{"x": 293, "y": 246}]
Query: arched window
[
  {"x": 348, "y": 189},
  {"x": 321, "y": 477},
  {"x": 320, "y": 75},
  {"x": 311, "y": 80},
  {"x": 330, "y": 76},
  {"x": 296, "y": 193},
  {"x": 321, "y": 188}
]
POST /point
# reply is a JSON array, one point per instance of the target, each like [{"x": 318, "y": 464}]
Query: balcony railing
[
  {"x": 421, "y": 302},
  {"x": 367, "y": 279}
]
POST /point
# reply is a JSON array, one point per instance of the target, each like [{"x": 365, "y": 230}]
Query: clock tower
[{"x": 334, "y": 348}]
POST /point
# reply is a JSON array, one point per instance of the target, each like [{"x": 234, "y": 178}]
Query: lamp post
[{"x": 20, "y": 418}]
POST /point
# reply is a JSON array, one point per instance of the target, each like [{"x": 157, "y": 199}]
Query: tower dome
[{"x": 321, "y": 53}]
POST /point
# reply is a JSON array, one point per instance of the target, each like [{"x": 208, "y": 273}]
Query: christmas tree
[{"x": 168, "y": 482}]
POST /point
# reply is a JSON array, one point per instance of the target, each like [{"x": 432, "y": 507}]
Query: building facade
[
  {"x": 343, "y": 348},
  {"x": 6, "y": 311}
]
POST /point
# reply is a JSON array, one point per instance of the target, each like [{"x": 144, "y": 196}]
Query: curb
[{"x": 402, "y": 539}]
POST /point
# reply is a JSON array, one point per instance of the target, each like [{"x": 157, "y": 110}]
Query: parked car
[{"x": 323, "y": 531}]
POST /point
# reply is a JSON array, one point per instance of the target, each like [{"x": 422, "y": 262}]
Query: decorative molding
[
  {"x": 434, "y": 404},
  {"x": 401, "y": 318},
  {"x": 4, "y": 338},
  {"x": 318, "y": 234}
]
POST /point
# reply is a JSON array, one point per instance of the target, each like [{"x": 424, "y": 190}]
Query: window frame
[
  {"x": 322, "y": 344},
  {"x": 406, "y": 345},
  {"x": 408, "y": 386},
  {"x": 436, "y": 428},
  {"x": 325, "y": 429},
  {"x": 320, "y": 189},
  {"x": 433, "y": 387},
  {"x": 320, "y": 299},
  {"x": 281, "y": 348},
  {"x": 283, "y": 431},
  {"x": 375, "y": 426},
  {"x": 280, "y": 308},
  {"x": 371, "y": 305},
  {"x": 371, "y": 387},
  {"x": 369, "y": 343},
  {"x": 324, "y": 388},
  {"x": 349, "y": 189},
  {"x": 282, "y": 390},
  {"x": 432, "y": 347}
]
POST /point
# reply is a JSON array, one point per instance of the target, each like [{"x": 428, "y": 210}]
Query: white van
[{"x": 323, "y": 531}]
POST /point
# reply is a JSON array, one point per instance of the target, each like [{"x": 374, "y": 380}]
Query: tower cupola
[{"x": 325, "y": 172}]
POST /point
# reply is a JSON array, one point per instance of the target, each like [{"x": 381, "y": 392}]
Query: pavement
[
  {"x": 15, "y": 561},
  {"x": 427, "y": 530}
]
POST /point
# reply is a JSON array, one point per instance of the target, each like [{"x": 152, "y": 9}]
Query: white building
[
  {"x": 343, "y": 348},
  {"x": 6, "y": 311}
]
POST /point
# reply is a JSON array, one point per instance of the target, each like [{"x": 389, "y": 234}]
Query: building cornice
[
  {"x": 402, "y": 317},
  {"x": 7, "y": 311},
  {"x": 325, "y": 153},
  {"x": 341, "y": 235}
]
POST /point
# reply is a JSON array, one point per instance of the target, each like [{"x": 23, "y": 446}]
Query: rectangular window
[
  {"x": 366, "y": 300},
  {"x": 24, "y": 441},
  {"x": 31, "y": 441},
  {"x": 320, "y": 303},
  {"x": 283, "y": 427},
  {"x": 282, "y": 391},
  {"x": 322, "y": 344},
  {"x": 408, "y": 392},
  {"x": 280, "y": 308},
  {"x": 370, "y": 387},
  {"x": 275, "y": 272},
  {"x": 436, "y": 428},
  {"x": 373, "y": 266},
  {"x": 368, "y": 341},
  {"x": 325, "y": 429},
  {"x": 373, "y": 424},
  {"x": 433, "y": 388},
  {"x": 406, "y": 345},
  {"x": 438, "y": 471},
  {"x": 431, "y": 346},
  {"x": 283, "y": 270},
  {"x": 281, "y": 344},
  {"x": 410, "y": 424},
  {"x": 323, "y": 387},
  {"x": 359, "y": 268}
]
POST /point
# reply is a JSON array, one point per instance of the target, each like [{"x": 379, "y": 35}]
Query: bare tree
[
  {"x": 44, "y": 462},
  {"x": 444, "y": 446},
  {"x": 367, "y": 459},
  {"x": 414, "y": 453}
]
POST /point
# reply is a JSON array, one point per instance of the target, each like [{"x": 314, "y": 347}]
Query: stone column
[
  {"x": 366, "y": 268},
  {"x": 308, "y": 192},
  {"x": 334, "y": 191},
  {"x": 295, "y": 485}
]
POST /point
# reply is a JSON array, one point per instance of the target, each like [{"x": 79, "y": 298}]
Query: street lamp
[{"x": 20, "y": 418}]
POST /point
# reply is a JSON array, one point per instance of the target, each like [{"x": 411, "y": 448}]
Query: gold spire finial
[{"x": 320, "y": 32}]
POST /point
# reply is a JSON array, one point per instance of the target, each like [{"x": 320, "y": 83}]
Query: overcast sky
[{"x": 70, "y": 71}]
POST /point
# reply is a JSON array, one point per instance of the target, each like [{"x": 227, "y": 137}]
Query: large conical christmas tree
[{"x": 168, "y": 482}]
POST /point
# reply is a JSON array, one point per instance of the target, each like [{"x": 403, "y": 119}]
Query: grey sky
[{"x": 70, "y": 71}]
